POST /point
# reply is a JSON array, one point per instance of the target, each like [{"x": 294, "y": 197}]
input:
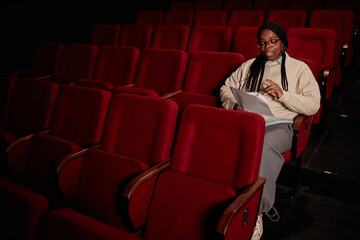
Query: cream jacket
[{"x": 303, "y": 95}]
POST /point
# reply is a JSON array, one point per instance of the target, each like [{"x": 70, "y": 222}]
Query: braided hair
[{"x": 258, "y": 66}]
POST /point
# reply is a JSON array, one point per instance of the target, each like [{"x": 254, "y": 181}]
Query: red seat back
[
  {"x": 246, "y": 18},
  {"x": 288, "y": 18},
  {"x": 184, "y": 17},
  {"x": 210, "y": 17},
  {"x": 245, "y": 39},
  {"x": 136, "y": 35},
  {"x": 105, "y": 34},
  {"x": 207, "y": 71},
  {"x": 171, "y": 36}
]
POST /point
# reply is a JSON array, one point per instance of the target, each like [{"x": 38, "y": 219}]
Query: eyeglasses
[{"x": 271, "y": 43}]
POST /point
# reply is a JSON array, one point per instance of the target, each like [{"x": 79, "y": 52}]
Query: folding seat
[
  {"x": 210, "y": 17},
  {"x": 182, "y": 5},
  {"x": 318, "y": 45},
  {"x": 171, "y": 36},
  {"x": 184, "y": 17},
  {"x": 342, "y": 21},
  {"x": 30, "y": 112},
  {"x": 267, "y": 6},
  {"x": 46, "y": 61},
  {"x": 136, "y": 35},
  {"x": 138, "y": 137},
  {"x": 232, "y": 5},
  {"x": 153, "y": 18},
  {"x": 248, "y": 18},
  {"x": 307, "y": 5},
  {"x": 208, "y": 5},
  {"x": 245, "y": 39},
  {"x": 162, "y": 71},
  {"x": 78, "y": 61},
  {"x": 206, "y": 196},
  {"x": 115, "y": 66},
  {"x": 77, "y": 123},
  {"x": 210, "y": 38},
  {"x": 105, "y": 34},
  {"x": 288, "y": 18},
  {"x": 207, "y": 71}
]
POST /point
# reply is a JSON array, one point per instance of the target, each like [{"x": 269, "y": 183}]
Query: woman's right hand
[{"x": 237, "y": 107}]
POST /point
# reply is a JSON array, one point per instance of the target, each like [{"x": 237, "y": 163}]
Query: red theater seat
[
  {"x": 185, "y": 17},
  {"x": 210, "y": 17},
  {"x": 317, "y": 45},
  {"x": 105, "y": 34},
  {"x": 245, "y": 39},
  {"x": 342, "y": 22},
  {"x": 248, "y": 18},
  {"x": 210, "y": 38},
  {"x": 288, "y": 18},
  {"x": 138, "y": 137},
  {"x": 136, "y": 35},
  {"x": 207, "y": 71},
  {"x": 115, "y": 66},
  {"x": 153, "y": 18},
  {"x": 171, "y": 36},
  {"x": 162, "y": 71}
]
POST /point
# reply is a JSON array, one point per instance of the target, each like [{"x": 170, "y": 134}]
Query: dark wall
[{"x": 24, "y": 23}]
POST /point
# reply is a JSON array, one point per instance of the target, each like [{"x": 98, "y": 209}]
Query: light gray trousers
[{"x": 278, "y": 139}]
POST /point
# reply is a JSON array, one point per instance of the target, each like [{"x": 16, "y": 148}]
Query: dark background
[{"x": 24, "y": 23}]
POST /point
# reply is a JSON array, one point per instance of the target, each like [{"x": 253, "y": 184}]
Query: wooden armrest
[
  {"x": 129, "y": 85},
  {"x": 238, "y": 204},
  {"x": 142, "y": 177},
  {"x": 22, "y": 139},
  {"x": 60, "y": 164},
  {"x": 298, "y": 121},
  {"x": 328, "y": 70},
  {"x": 170, "y": 94}
]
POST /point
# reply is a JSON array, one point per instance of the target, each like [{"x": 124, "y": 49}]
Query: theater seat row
[{"x": 81, "y": 178}]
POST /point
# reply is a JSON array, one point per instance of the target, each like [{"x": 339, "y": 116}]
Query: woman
[{"x": 290, "y": 89}]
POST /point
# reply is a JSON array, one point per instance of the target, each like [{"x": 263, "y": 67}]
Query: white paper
[{"x": 252, "y": 102}]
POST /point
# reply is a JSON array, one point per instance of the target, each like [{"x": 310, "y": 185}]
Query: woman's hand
[
  {"x": 237, "y": 107},
  {"x": 272, "y": 88}
]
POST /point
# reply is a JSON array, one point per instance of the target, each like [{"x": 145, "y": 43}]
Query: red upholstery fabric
[
  {"x": 105, "y": 34},
  {"x": 307, "y": 5},
  {"x": 207, "y": 71},
  {"x": 185, "y": 17},
  {"x": 44, "y": 151},
  {"x": 182, "y": 5},
  {"x": 208, "y": 5},
  {"x": 21, "y": 211},
  {"x": 267, "y": 6},
  {"x": 153, "y": 18},
  {"x": 233, "y": 5},
  {"x": 245, "y": 39},
  {"x": 80, "y": 114},
  {"x": 288, "y": 18},
  {"x": 247, "y": 18},
  {"x": 211, "y": 17},
  {"x": 117, "y": 65},
  {"x": 161, "y": 70},
  {"x": 201, "y": 143},
  {"x": 135, "y": 90},
  {"x": 47, "y": 57},
  {"x": 78, "y": 60},
  {"x": 210, "y": 38},
  {"x": 32, "y": 106},
  {"x": 342, "y": 21},
  {"x": 135, "y": 122},
  {"x": 136, "y": 35},
  {"x": 171, "y": 36},
  {"x": 68, "y": 224},
  {"x": 185, "y": 98},
  {"x": 104, "y": 176},
  {"x": 186, "y": 207}
]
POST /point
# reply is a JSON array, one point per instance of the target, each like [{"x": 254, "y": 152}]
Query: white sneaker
[{"x": 258, "y": 230}]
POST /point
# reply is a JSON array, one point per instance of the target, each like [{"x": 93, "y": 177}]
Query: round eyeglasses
[{"x": 271, "y": 43}]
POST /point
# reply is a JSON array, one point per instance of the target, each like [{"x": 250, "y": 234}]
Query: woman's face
[{"x": 270, "y": 45}]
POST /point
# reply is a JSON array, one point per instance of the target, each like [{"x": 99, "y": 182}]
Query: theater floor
[{"x": 328, "y": 203}]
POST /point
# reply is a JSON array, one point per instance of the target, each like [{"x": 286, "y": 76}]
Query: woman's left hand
[{"x": 272, "y": 88}]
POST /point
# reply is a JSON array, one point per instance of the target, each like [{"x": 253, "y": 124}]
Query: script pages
[{"x": 252, "y": 102}]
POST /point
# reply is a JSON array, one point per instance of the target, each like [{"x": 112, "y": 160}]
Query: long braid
[{"x": 257, "y": 68}]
